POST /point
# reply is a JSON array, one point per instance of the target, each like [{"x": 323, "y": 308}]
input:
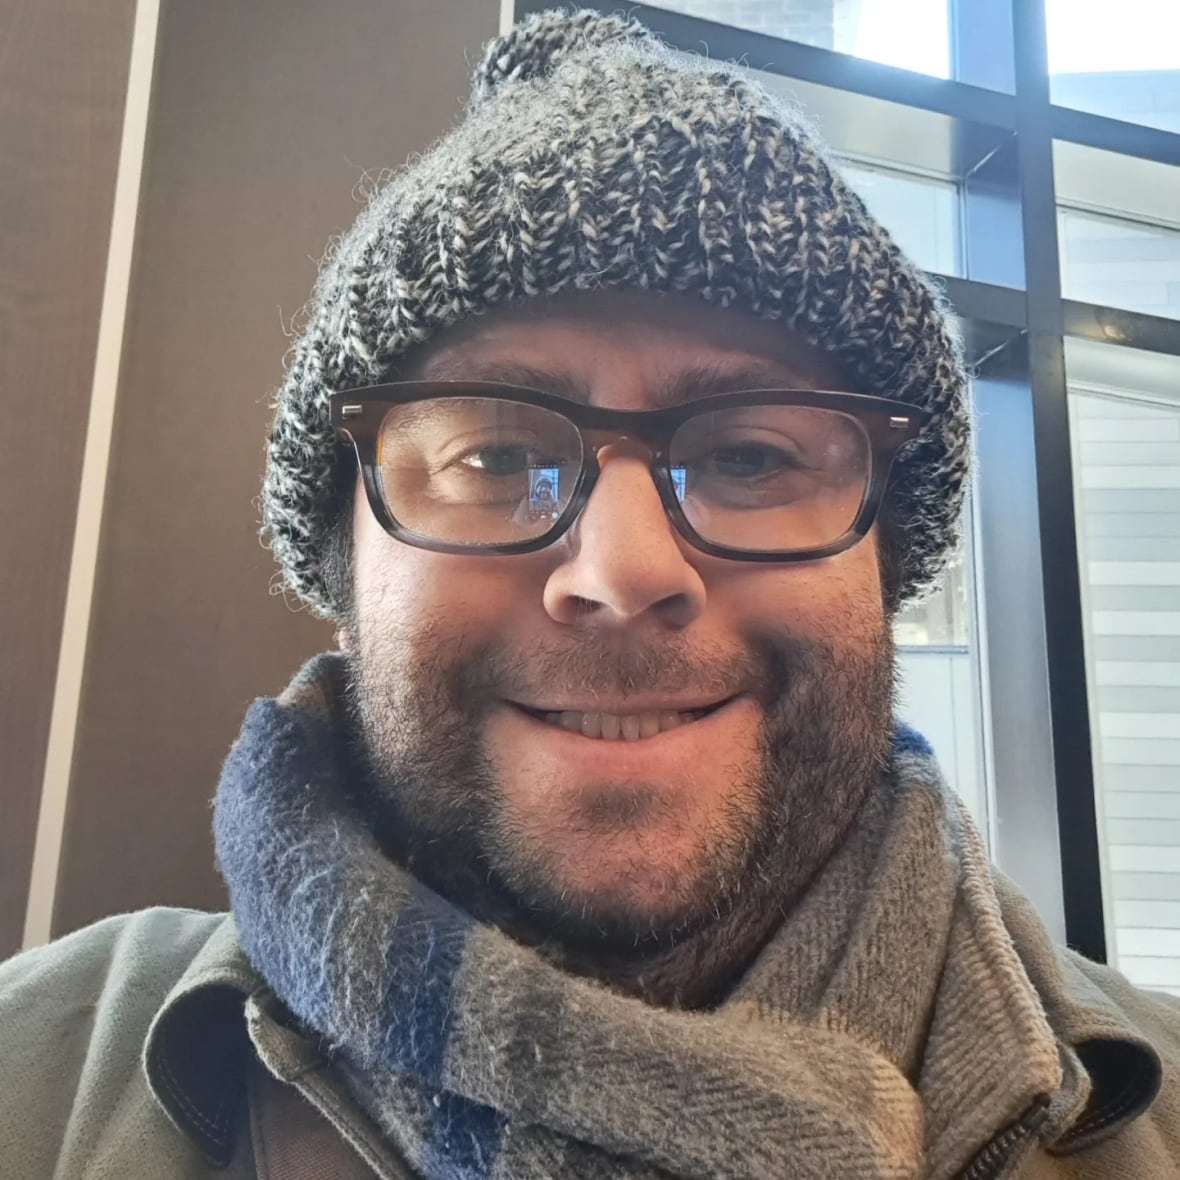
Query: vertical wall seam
[{"x": 67, "y": 691}]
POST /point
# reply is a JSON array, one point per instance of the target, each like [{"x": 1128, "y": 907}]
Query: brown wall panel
[
  {"x": 263, "y": 115},
  {"x": 63, "y": 80}
]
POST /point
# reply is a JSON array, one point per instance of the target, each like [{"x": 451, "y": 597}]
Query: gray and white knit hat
[{"x": 592, "y": 156}]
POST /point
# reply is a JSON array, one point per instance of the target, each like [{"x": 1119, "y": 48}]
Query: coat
[{"x": 147, "y": 1046}]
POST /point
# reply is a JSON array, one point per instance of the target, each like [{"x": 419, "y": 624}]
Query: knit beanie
[{"x": 591, "y": 156}]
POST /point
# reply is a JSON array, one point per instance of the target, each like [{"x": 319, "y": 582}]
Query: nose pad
[
  {"x": 623, "y": 447},
  {"x": 627, "y": 446}
]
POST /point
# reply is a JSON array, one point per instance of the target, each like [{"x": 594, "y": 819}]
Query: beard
[{"x": 418, "y": 701}]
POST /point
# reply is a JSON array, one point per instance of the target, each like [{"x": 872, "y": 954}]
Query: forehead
[{"x": 635, "y": 345}]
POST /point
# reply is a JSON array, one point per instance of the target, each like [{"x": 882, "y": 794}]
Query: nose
[{"x": 625, "y": 559}]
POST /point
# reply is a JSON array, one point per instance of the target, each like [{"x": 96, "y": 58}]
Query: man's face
[{"x": 489, "y": 690}]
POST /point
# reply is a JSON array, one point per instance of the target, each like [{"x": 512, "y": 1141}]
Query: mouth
[{"x": 621, "y": 727}]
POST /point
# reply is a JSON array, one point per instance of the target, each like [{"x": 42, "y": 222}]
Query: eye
[
  {"x": 503, "y": 459},
  {"x": 750, "y": 460}
]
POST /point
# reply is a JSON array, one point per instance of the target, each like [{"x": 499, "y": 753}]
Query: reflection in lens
[
  {"x": 477, "y": 471},
  {"x": 544, "y": 493},
  {"x": 773, "y": 477}
]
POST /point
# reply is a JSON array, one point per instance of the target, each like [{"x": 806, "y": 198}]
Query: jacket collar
[
  {"x": 198, "y": 1046},
  {"x": 1120, "y": 1068},
  {"x": 1112, "y": 1073}
]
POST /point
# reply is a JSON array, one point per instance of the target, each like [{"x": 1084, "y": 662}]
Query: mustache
[{"x": 609, "y": 667}]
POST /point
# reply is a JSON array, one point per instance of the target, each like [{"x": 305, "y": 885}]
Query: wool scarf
[{"x": 887, "y": 1029}]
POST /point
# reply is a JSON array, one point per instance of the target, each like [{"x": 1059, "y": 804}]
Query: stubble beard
[{"x": 437, "y": 804}]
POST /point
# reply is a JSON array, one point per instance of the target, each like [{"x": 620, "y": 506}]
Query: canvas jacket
[{"x": 147, "y": 1046}]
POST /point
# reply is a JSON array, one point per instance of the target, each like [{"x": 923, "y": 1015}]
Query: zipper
[{"x": 994, "y": 1157}]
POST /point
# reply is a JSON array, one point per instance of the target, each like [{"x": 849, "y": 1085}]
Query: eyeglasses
[{"x": 481, "y": 467}]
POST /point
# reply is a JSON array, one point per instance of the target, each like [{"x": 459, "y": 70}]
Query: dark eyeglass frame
[{"x": 357, "y": 415}]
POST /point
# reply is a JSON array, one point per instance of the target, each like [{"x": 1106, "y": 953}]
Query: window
[
  {"x": 1118, "y": 229},
  {"x": 909, "y": 34},
  {"x": 944, "y": 618},
  {"x": 1126, "y": 447},
  {"x": 921, "y": 212},
  {"x": 939, "y": 680},
  {"x": 1118, "y": 262},
  {"x": 1123, "y": 62}
]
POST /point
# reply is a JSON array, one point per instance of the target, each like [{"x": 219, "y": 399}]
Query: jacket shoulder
[
  {"x": 157, "y": 943},
  {"x": 74, "y": 1015},
  {"x": 1154, "y": 1014},
  {"x": 1150, "y": 1144}
]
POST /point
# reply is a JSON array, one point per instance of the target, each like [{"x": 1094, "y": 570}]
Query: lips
[{"x": 624, "y": 727}]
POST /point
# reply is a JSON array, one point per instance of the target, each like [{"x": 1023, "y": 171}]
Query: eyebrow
[{"x": 685, "y": 385}]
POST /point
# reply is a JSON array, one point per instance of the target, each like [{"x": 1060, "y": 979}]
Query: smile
[{"x": 621, "y": 727}]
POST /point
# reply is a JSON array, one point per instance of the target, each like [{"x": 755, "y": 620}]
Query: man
[
  {"x": 542, "y": 505},
  {"x": 595, "y": 851}
]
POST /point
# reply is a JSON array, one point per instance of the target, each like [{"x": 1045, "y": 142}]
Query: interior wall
[
  {"x": 264, "y": 118},
  {"x": 63, "y": 78}
]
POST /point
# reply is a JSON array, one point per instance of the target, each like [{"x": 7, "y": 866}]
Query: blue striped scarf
[{"x": 887, "y": 1030}]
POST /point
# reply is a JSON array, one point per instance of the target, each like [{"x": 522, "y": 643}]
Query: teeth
[{"x": 627, "y": 727}]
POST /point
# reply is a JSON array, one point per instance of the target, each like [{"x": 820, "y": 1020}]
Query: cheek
[
  {"x": 837, "y": 599},
  {"x": 414, "y": 591},
  {"x": 393, "y": 582}
]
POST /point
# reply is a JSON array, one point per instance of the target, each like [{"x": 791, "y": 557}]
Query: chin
[
  {"x": 630, "y": 858},
  {"x": 626, "y": 886}
]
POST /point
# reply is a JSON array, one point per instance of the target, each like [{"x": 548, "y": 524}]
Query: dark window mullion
[
  {"x": 1064, "y": 633},
  {"x": 1115, "y": 135},
  {"x": 988, "y": 302},
  {"x": 1114, "y": 325}
]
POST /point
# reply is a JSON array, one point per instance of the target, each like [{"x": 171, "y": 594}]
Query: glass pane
[
  {"x": 772, "y": 477},
  {"x": 1126, "y": 453},
  {"x": 922, "y": 213},
  {"x": 477, "y": 471},
  {"x": 943, "y": 619},
  {"x": 1119, "y": 263},
  {"x": 909, "y": 34},
  {"x": 1126, "y": 67},
  {"x": 940, "y": 691}
]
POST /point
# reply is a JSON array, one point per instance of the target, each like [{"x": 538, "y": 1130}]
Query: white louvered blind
[{"x": 1127, "y": 483}]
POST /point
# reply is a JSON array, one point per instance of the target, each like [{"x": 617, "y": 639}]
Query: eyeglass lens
[{"x": 485, "y": 471}]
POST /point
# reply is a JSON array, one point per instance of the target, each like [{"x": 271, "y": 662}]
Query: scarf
[{"x": 887, "y": 1029}]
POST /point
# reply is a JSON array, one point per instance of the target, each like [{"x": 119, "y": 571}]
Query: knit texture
[
  {"x": 593, "y": 157},
  {"x": 887, "y": 1030}
]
